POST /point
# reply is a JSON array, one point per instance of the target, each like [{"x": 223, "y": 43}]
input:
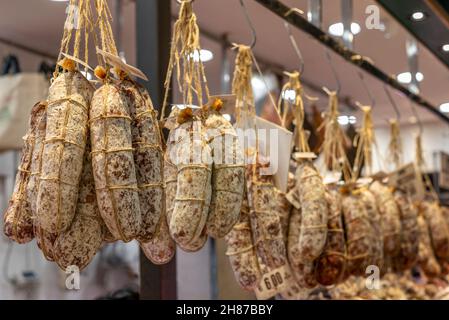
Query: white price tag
[
  {"x": 409, "y": 179},
  {"x": 119, "y": 63},
  {"x": 272, "y": 283}
]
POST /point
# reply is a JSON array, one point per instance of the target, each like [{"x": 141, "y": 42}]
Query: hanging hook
[
  {"x": 248, "y": 19},
  {"x": 362, "y": 78},
  {"x": 293, "y": 41},
  {"x": 334, "y": 72},
  {"x": 393, "y": 103}
]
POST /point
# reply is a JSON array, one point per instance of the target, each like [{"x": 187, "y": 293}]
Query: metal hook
[
  {"x": 362, "y": 78},
  {"x": 248, "y": 19},
  {"x": 293, "y": 40},
  {"x": 393, "y": 103},
  {"x": 334, "y": 72}
]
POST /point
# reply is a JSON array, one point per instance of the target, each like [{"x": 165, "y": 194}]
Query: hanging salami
[{"x": 18, "y": 218}]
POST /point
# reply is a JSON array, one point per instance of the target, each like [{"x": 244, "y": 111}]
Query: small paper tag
[
  {"x": 409, "y": 180},
  {"x": 304, "y": 155},
  {"x": 332, "y": 177},
  {"x": 272, "y": 283},
  {"x": 278, "y": 146},
  {"x": 119, "y": 63}
]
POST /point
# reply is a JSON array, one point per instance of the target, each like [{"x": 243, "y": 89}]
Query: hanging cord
[
  {"x": 251, "y": 26},
  {"x": 295, "y": 107},
  {"x": 420, "y": 161},
  {"x": 80, "y": 13},
  {"x": 104, "y": 24},
  {"x": 273, "y": 103},
  {"x": 241, "y": 84},
  {"x": 245, "y": 111},
  {"x": 292, "y": 39},
  {"x": 334, "y": 71},
  {"x": 395, "y": 151},
  {"x": 364, "y": 142},
  {"x": 190, "y": 73},
  {"x": 421, "y": 166},
  {"x": 334, "y": 151}
]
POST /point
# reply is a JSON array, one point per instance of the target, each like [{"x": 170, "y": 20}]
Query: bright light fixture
[
  {"x": 445, "y": 47},
  {"x": 418, "y": 16},
  {"x": 289, "y": 95},
  {"x": 257, "y": 83},
  {"x": 204, "y": 55},
  {"x": 227, "y": 116},
  {"x": 87, "y": 74},
  {"x": 444, "y": 107},
  {"x": 345, "y": 120},
  {"x": 406, "y": 77},
  {"x": 337, "y": 29}
]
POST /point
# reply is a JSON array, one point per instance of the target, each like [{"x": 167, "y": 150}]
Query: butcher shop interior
[{"x": 224, "y": 150}]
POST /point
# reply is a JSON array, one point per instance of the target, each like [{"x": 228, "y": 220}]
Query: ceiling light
[
  {"x": 352, "y": 119},
  {"x": 406, "y": 77},
  {"x": 345, "y": 120},
  {"x": 227, "y": 117},
  {"x": 445, "y": 47},
  {"x": 337, "y": 29},
  {"x": 289, "y": 95},
  {"x": 418, "y": 16},
  {"x": 444, "y": 107},
  {"x": 204, "y": 55}
]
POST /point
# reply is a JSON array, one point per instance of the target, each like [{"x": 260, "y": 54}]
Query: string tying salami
[
  {"x": 113, "y": 162},
  {"x": 358, "y": 234},
  {"x": 79, "y": 244},
  {"x": 314, "y": 211},
  {"x": 148, "y": 157},
  {"x": 408, "y": 253},
  {"x": 193, "y": 190},
  {"x": 426, "y": 257},
  {"x": 241, "y": 251},
  {"x": 391, "y": 223},
  {"x": 330, "y": 266},
  {"x": 18, "y": 218},
  {"x": 265, "y": 221},
  {"x": 66, "y": 133},
  {"x": 374, "y": 218},
  {"x": 438, "y": 230},
  {"x": 228, "y": 176}
]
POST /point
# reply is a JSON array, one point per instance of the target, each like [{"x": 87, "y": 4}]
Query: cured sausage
[
  {"x": 62, "y": 159},
  {"x": 113, "y": 162},
  {"x": 18, "y": 218}
]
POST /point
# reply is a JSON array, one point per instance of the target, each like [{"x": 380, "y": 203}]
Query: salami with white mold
[{"x": 62, "y": 160}]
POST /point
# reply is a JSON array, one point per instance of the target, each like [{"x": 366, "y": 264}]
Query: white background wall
[{"x": 435, "y": 138}]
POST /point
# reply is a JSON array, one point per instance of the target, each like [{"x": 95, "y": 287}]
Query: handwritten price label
[{"x": 272, "y": 283}]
